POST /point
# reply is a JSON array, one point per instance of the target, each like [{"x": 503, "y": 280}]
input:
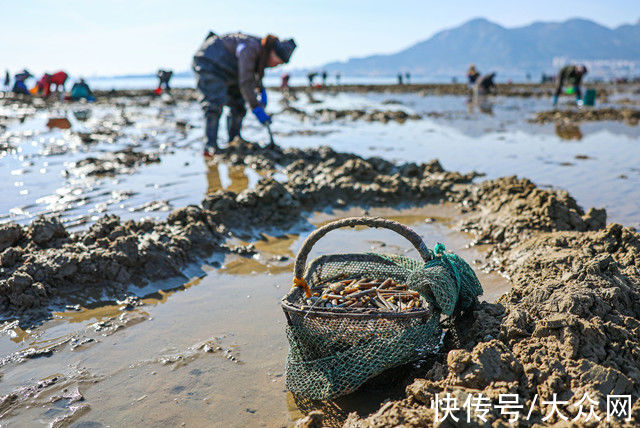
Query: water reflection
[
  {"x": 483, "y": 103},
  {"x": 235, "y": 178},
  {"x": 82, "y": 115},
  {"x": 568, "y": 131},
  {"x": 275, "y": 255}
]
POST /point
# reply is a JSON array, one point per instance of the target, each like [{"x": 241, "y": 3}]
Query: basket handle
[{"x": 378, "y": 222}]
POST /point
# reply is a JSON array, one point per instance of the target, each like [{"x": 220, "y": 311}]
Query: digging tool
[{"x": 272, "y": 144}]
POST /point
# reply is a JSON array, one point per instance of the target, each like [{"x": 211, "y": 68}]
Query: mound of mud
[
  {"x": 119, "y": 162},
  {"x": 627, "y": 115},
  {"x": 508, "y": 209},
  {"x": 329, "y": 115},
  {"x": 525, "y": 90},
  {"x": 569, "y": 326},
  {"x": 43, "y": 262}
]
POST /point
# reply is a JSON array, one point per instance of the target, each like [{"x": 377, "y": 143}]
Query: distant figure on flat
[
  {"x": 338, "y": 76},
  {"x": 81, "y": 90},
  {"x": 287, "y": 93},
  {"x": 311, "y": 76},
  {"x": 400, "y": 82},
  {"x": 19, "y": 85},
  {"x": 484, "y": 85},
  {"x": 229, "y": 70},
  {"x": 324, "y": 78},
  {"x": 43, "y": 86},
  {"x": 572, "y": 74},
  {"x": 407, "y": 77},
  {"x": 164, "y": 76},
  {"x": 472, "y": 74},
  {"x": 7, "y": 79},
  {"x": 284, "y": 82}
]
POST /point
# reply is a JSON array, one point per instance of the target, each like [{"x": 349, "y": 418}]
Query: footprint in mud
[
  {"x": 180, "y": 358},
  {"x": 177, "y": 389}
]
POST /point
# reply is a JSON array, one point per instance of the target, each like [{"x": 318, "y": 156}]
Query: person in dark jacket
[
  {"x": 484, "y": 85},
  {"x": 164, "y": 76},
  {"x": 229, "y": 70},
  {"x": 19, "y": 87},
  {"x": 472, "y": 74},
  {"x": 571, "y": 74},
  {"x": 311, "y": 76}
]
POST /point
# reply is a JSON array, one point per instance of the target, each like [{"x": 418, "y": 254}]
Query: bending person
[
  {"x": 484, "y": 85},
  {"x": 229, "y": 70},
  {"x": 81, "y": 90},
  {"x": 572, "y": 74},
  {"x": 164, "y": 76},
  {"x": 19, "y": 85}
]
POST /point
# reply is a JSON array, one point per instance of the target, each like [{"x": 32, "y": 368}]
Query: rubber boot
[
  {"x": 234, "y": 124},
  {"x": 211, "y": 123}
]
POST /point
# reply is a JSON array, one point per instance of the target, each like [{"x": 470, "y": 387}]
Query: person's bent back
[
  {"x": 484, "y": 84},
  {"x": 572, "y": 75},
  {"x": 229, "y": 71}
]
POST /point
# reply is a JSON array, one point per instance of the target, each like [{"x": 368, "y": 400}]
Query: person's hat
[{"x": 284, "y": 49}]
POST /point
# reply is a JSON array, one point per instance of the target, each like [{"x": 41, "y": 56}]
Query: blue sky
[{"x": 137, "y": 36}]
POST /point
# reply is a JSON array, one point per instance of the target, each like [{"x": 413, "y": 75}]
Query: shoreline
[{"x": 503, "y": 89}]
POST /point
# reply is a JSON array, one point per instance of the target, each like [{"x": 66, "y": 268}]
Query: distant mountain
[{"x": 506, "y": 50}]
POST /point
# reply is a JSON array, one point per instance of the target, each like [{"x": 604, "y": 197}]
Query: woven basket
[{"x": 333, "y": 351}]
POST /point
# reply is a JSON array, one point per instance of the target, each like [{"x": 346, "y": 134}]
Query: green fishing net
[{"x": 332, "y": 352}]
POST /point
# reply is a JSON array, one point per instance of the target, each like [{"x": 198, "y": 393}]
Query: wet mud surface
[
  {"x": 568, "y": 326},
  {"x": 43, "y": 260},
  {"x": 214, "y": 360},
  {"x": 119, "y": 162},
  {"x": 92, "y": 310}
]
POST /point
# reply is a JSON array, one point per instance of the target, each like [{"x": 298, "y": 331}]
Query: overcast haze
[{"x": 129, "y": 37}]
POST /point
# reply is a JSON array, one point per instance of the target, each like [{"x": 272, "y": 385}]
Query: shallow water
[
  {"x": 143, "y": 365},
  {"x": 601, "y": 169}
]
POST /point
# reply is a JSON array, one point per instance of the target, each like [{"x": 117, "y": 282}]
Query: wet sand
[{"x": 145, "y": 364}]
